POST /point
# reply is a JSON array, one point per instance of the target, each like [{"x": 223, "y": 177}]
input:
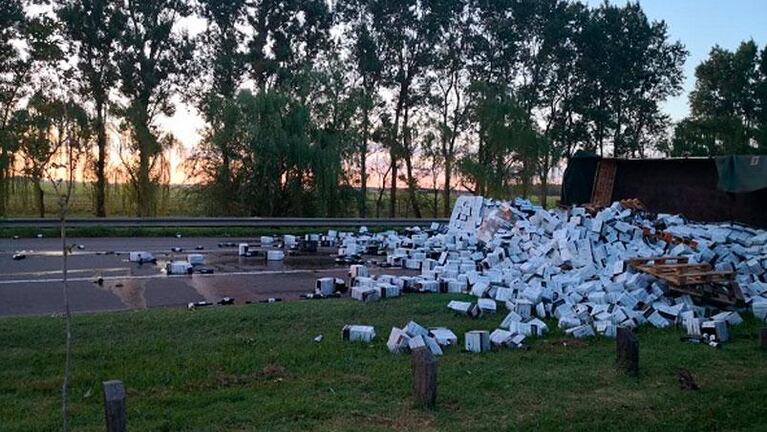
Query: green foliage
[
  {"x": 729, "y": 105},
  {"x": 506, "y": 135},
  {"x": 151, "y": 62},
  {"x": 93, "y": 27}
]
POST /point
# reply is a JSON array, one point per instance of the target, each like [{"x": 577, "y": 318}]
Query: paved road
[{"x": 33, "y": 286}]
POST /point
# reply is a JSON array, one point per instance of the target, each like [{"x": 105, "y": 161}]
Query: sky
[{"x": 698, "y": 24}]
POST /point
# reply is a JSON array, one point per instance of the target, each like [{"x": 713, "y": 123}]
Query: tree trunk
[
  {"x": 40, "y": 198},
  {"x": 446, "y": 187},
  {"x": 544, "y": 183},
  {"x": 393, "y": 188},
  {"x": 101, "y": 143},
  {"x": 363, "y": 158},
  {"x": 525, "y": 178},
  {"x": 143, "y": 187},
  {"x": 412, "y": 182},
  {"x": 3, "y": 185}
]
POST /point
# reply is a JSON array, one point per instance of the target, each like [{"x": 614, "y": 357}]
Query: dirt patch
[
  {"x": 407, "y": 420},
  {"x": 221, "y": 379},
  {"x": 563, "y": 343}
]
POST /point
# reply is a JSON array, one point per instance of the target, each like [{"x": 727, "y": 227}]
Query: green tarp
[{"x": 740, "y": 174}]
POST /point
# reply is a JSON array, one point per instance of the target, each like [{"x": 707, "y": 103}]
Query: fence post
[
  {"x": 114, "y": 406},
  {"x": 627, "y": 347},
  {"x": 424, "y": 377}
]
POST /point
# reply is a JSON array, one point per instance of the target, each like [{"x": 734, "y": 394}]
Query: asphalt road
[{"x": 33, "y": 286}]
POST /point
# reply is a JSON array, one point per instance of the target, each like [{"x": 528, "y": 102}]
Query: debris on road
[
  {"x": 178, "y": 268},
  {"x": 142, "y": 257},
  {"x": 19, "y": 256},
  {"x": 226, "y": 301},
  {"x": 195, "y": 259},
  {"x": 571, "y": 266}
]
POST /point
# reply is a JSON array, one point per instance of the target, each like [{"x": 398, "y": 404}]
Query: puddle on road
[{"x": 129, "y": 291}]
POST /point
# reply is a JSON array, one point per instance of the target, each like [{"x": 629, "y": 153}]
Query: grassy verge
[
  {"x": 105, "y": 231},
  {"x": 256, "y": 368}
]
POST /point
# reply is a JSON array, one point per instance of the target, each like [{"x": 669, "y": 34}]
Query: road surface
[{"x": 33, "y": 286}]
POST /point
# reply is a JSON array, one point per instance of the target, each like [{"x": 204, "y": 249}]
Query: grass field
[
  {"x": 255, "y": 367},
  {"x": 107, "y": 231},
  {"x": 180, "y": 200}
]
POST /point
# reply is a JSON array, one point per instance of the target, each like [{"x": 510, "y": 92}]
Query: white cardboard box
[{"x": 361, "y": 333}]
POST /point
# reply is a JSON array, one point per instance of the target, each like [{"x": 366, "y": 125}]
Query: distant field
[
  {"x": 180, "y": 200},
  {"x": 255, "y": 367}
]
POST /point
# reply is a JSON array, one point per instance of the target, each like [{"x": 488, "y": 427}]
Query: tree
[
  {"x": 287, "y": 36},
  {"x": 223, "y": 63},
  {"x": 94, "y": 27},
  {"x": 408, "y": 31},
  {"x": 332, "y": 105},
  {"x": 448, "y": 82},
  {"x": 13, "y": 74},
  {"x": 727, "y": 105},
  {"x": 549, "y": 82},
  {"x": 504, "y": 131},
  {"x": 369, "y": 68},
  {"x": 27, "y": 44},
  {"x": 152, "y": 61},
  {"x": 631, "y": 67}
]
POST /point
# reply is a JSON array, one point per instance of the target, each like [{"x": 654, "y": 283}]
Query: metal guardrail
[{"x": 170, "y": 222}]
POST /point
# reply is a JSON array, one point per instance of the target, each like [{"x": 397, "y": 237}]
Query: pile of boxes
[{"x": 565, "y": 265}]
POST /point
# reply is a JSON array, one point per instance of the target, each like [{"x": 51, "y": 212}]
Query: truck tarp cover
[
  {"x": 739, "y": 174},
  {"x": 578, "y": 179}
]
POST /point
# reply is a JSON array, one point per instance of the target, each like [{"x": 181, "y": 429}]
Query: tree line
[{"x": 311, "y": 107}]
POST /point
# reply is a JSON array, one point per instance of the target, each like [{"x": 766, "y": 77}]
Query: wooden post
[
  {"x": 424, "y": 377},
  {"x": 114, "y": 406},
  {"x": 763, "y": 338},
  {"x": 628, "y": 351}
]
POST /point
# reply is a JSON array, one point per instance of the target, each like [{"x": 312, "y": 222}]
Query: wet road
[{"x": 33, "y": 286}]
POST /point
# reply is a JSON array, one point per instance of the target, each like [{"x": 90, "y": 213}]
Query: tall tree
[
  {"x": 94, "y": 27},
  {"x": 503, "y": 128},
  {"x": 369, "y": 68},
  {"x": 27, "y": 45},
  {"x": 13, "y": 75},
  {"x": 35, "y": 134},
  {"x": 152, "y": 62},
  {"x": 728, "y": 105},
  {"x": 448, "y": 83},
  {"x": 408, "y": 32},
  {"x": 632, "y": 66},
  {"x": 223, "y": 63}
]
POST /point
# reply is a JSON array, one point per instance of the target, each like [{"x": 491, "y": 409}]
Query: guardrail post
[{"x": 114, "y": 406}]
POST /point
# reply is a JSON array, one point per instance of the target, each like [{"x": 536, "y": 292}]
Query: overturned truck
[{"x": 727, "y": 188}]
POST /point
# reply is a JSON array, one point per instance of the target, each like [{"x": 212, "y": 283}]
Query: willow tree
[
  {"x": 92, "y": 27},
  {"x": 152, "y": 62},
  {"x": 222, "y": 62},
  {"x": 27, "y": 44}
]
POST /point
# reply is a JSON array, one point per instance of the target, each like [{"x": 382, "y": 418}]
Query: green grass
[
  {"x": 255, "y": 367},
  {"x": 180, "y": 200}
]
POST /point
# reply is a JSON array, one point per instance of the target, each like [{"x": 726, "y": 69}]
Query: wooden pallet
[
  {"x": 604, "y": 181},
  {"x": 697, "y": 280}
]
